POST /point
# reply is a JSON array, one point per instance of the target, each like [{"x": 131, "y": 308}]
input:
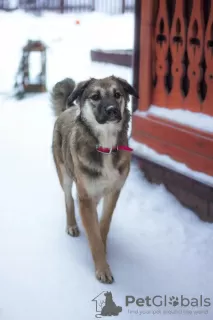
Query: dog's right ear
[{"x": 78, "y": 91}]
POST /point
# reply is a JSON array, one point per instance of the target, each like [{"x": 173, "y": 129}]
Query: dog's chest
[
  {"x": 108, "y": 139},
  {"x": 109, "y": 172},
  {"x": 110, "y": 178}
]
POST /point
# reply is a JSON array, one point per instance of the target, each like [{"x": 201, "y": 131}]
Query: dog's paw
[
  {"x": 73, "y": 231},
  {"x": 104, "y": 275}
]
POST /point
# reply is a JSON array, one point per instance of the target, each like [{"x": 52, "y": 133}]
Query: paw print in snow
[{"x": 174, "y": 301}]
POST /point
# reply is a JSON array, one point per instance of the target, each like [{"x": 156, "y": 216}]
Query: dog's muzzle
[{"x": 112, "y": 113}]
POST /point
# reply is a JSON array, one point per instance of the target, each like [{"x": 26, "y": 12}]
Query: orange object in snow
[{"x": 77, "y": 21}]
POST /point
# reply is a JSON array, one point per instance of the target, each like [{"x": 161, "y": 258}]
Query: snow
[
  {"x": 155, "y": 246},
  {"x": 143, "y": 150},
  {"x": 195, "y": 120},
  {"x": 67, "y": 43}
]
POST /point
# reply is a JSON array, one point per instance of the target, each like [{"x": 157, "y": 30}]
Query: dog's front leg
[
  {"x": 109, "y": 205},
  {"x": 90, "y": 221},
  {"x": 110, "y": 201}
]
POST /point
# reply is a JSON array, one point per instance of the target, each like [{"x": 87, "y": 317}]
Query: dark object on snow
[{"x": 23, "y": 83}]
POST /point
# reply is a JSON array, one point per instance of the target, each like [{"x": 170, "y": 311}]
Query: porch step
[{"x": 191, "y": 193}]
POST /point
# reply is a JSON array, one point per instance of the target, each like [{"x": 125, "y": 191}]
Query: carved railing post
[
  {"x": 195, "y": 40},
  {"x": 160, "y": 93},
  {"x": 146, "y": 57},
  {"x": 208, "y": 50},
  {"x": 177, "y": 47}
]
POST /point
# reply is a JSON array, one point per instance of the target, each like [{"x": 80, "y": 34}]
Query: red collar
[{"x": 112, "y": 150}]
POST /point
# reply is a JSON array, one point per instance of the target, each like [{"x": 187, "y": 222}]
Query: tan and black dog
[{"x": 90, "y": 148}]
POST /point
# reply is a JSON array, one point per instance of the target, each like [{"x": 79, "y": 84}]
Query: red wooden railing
[
  {"x": 188, "y": 41},
  {"x": 177, "y": 47},
  {"x": 176, "y": 71},
  {"x": 208, "y": 50}
]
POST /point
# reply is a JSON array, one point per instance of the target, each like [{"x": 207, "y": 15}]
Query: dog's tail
[{"x": 59, "y": 95}]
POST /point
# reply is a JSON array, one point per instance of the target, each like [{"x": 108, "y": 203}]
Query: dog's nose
[{"x": 112, "y": 112}]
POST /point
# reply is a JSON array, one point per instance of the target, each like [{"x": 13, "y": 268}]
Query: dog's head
[{"x": 102, "y": 100}]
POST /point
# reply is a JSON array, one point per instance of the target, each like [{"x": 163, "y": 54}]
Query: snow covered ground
[{"x": 155, "y": 247}]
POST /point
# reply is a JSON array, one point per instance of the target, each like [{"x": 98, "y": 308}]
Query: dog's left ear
[
  {"x": 78, "y": 91},
  {"x": 127, "y": 87}
]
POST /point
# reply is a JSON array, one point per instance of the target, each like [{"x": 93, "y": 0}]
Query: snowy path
[{"x": 156, "y": 246}]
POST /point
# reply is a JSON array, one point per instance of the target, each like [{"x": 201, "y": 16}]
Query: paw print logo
[{"x": 173, "y": 301}]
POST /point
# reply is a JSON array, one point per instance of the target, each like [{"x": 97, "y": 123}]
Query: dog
[{"x": 90, "y": 148}]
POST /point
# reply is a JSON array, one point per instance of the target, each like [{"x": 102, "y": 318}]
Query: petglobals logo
[
  {"x": 165, "y": 301},
  {"x": 105, "y": 305}
]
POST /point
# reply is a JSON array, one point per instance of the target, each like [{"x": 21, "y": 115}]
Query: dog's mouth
[{"x": 103, "y": 121}]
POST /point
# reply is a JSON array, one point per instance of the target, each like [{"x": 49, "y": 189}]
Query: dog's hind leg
[
  {"x": 109, "y": 205},
  {"x": 67, "y": 182}
]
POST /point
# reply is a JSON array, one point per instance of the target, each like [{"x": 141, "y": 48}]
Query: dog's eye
[
  {"x": 95, "y": 97},
  {"x": 117, "y": 95}
]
